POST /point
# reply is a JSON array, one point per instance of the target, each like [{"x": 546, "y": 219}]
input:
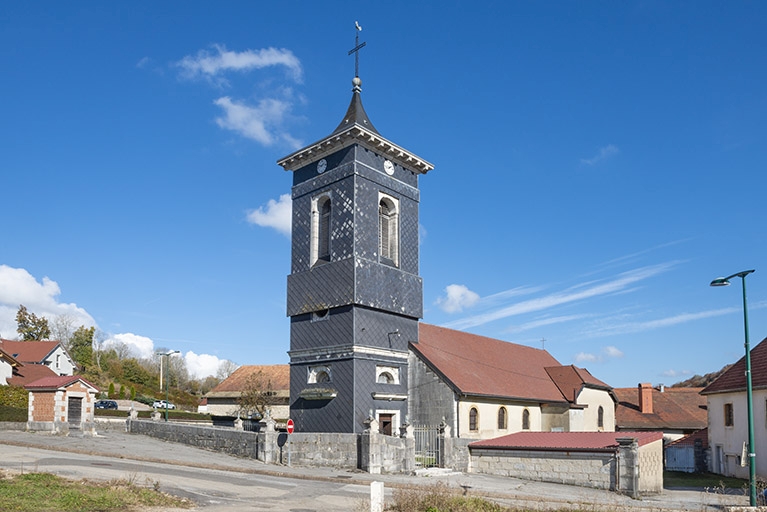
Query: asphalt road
[{"x": 219, "y": 482}]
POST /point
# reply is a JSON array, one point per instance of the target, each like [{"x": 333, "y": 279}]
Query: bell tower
[{"x": 354, "y": 293}]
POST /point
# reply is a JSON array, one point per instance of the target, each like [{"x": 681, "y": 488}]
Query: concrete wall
[
  {"x": 651, "y": 467},
  {"x": 586, "y": 469}
]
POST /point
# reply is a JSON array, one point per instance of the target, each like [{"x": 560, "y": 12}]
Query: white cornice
[{"x": 360, "y": 135}]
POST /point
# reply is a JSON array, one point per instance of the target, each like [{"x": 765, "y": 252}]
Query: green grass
[
  {"x": 43, "y": 492},
  {"x": 702, "y": 480}
]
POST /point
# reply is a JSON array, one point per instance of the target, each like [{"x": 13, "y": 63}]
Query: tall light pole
[
  {"x": 725, "y": 281},
  {"x": 167, "y": 380}
]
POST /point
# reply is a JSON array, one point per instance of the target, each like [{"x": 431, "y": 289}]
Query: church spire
[{"x": 356, "y": 114}]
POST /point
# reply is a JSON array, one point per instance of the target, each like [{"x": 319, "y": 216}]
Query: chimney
[{"x": 645, "y": 398}]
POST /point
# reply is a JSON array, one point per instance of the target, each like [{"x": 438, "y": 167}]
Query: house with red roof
[
  {"x": 485, "y": 388},
  {"x": 7, "y": 365},
  {"x": 223, "y": 400},
  {"x": 728, "y": 416},
  {"x": 61, "y": 404},
  {"x": 676, "y": 412},
  {"x": 48, "y": 353}
]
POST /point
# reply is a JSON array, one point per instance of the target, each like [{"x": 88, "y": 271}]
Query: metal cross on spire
[{"x": 357, "y": 47}]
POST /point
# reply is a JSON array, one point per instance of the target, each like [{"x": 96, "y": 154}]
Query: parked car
[
  {"x": 161, "y": 404},
  {"x": 105, "y": 404}
]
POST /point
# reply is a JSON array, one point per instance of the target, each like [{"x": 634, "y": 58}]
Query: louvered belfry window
[{"x": 323, "y": 239}]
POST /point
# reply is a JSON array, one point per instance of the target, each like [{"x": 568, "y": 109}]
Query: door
[
  {"x": 385, "y": 423},
  {"x": 75, "y": 412}
]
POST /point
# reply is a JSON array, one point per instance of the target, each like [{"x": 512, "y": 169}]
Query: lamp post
[
  {"x": 725, "y": 281},
  {"x": 167, "y": 380}
]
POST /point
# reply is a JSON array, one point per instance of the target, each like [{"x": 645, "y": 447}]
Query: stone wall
[
  {"x": 13, "y": 425},
  {"x": 586, "y": 469}
]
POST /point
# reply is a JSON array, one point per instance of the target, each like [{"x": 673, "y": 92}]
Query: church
[{"x": 355, "y": 300}]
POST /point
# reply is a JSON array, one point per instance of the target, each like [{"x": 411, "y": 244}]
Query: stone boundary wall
[
  {"x": 454, "y": 452},
  {"x": 585, "y": 469},
  {"x": 13, "y": 425},
  {"x": 319, "y": 449},
  {"x": 651, "y": 467}
]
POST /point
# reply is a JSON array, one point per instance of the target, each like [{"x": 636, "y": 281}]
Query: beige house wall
[
  {"x": 593, "y": 399},
  {"x": 488, "y": 419},
  {"x": 726, "y": 443}
]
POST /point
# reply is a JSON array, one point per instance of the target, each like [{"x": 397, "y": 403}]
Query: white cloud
[
  {"x": 612, "y": 352},
  {"x": 211, "y": 64},
  {"x": 603, "y": 154},
  {"x": 200, "y": 366},
  {"x": 545, "y": 321},
  {"x": 634, "y": 327},
  {"x": 675, "y": 373},
  {"x": 583, "y": 356},
  {"x": 276, "y": 214},
  {"x": 457, "y": 297},
  {"x": 143, "y": 62},
  {"x": 258, "y": 123},
  {"x": 139, "y": 346},
  {"x": 576, "y": 293},
  {"x": 17, "y": 286}
]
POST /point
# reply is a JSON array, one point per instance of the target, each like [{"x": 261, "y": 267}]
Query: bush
[
  {"x": 8, "y": 413},
  {"x": 14, "y": 396}
]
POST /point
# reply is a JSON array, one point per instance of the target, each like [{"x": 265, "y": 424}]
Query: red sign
[{"x": 291, "y": 426}]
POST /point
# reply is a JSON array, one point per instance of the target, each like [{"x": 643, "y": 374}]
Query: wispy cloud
[
  {"x": 603, "y": 154},
  {"x": 211, "y": 64},
  {"x": 634, "y": 327},
  {"x": 675, "y": 373},
  {"x": 276, "y": 214},
  {"x": 576, "y": 293},
  {"x": 545, "y": 321},
  {"x": 608, "y": 352},
  {"x": 260, "y": 123},
  {"x": 457, "y": 297}
]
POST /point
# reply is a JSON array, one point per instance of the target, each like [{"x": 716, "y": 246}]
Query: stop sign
[{"x": 291, "y": 426}]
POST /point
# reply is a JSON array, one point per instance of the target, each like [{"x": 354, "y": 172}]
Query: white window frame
[
  {"x": 314, "y": 371},
  {"x": 393, "y": 371}
]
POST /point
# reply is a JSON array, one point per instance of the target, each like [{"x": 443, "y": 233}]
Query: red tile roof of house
[
  {"x": 734, "y": 379},
  {"x": 571, "y": 380},
  {"x": 570, "y": 441},
  {"x": 277, "y": 375},
  {"x": 674, "y": 408},
  {"x": 689, "y": 440},
  {"x": 28, "y": 373},
  {"x": 58, "y": 381},
  {"x": 480, "y": 366},
  {"x": 29, "y": 351}
]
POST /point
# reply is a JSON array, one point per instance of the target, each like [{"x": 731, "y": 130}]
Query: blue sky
[{"x": 597, "y": 164}]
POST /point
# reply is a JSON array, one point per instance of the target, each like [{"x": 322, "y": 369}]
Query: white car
[{"x": 161, "y": 404}]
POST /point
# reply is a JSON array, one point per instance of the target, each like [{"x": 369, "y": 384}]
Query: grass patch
[
  {"x": 44, "y": 492},
  {"x": 439, "y": 498},
  {"x": 702, "y": 480}
]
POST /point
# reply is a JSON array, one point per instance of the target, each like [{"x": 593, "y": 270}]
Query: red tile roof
[
  {"x": 571, "y": 380},
  {"x": 277, "y": 375},
  {"x": 689, "y": 440},
  {"x": 58, "y": 381},
  {"x": 734, "y": 379},
  {"x": 28, "y": 373},
  {"x": 480, "y": 366},
  {"x": 674, "y": 408},
  {"x": 29, "y": 351},
  {"x": 570, "y": 441}
]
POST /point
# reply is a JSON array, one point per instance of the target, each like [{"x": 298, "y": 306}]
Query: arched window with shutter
[
  {"x": 502, "y": 421},
  {"x": 473, "y": 419},
  {"x": 323, "y": 235},
  {"x": 600, "y": 418},
  {"x": 525, "y": 420},
  {"x": 388, "y": 232}
]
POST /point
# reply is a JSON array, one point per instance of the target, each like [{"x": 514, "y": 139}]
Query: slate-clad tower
[{"x": 354, "y": 293}]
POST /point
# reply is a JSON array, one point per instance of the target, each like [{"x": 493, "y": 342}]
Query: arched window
[
  {"x": 600, "y": 417},
  {"x": 502, "y": 423},
  {"x": 323, "y": 235},
  {"x": 473, "y": 419},
  {"x": 323, "y": 377},
  {"x": 525, "y": 420},
  {"x": 388, "y": 236},
  {"x": 385, "y": 378}
]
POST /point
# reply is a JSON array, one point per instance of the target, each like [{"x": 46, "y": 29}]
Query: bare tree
[
  {"x": 225, "y": 369},
  {"x": 256, "y": 395},
  {"x": 62, "y": 328},
  {"x": 99, "y": 337}
]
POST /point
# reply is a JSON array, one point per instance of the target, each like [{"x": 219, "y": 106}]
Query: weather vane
[{"x": 357, "y": 47}]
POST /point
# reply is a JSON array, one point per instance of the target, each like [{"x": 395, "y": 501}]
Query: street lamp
[
  {"x": 725, "y": 281},
  {"x": 167, "y": 380}
]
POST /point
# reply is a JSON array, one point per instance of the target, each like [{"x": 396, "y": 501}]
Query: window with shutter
[
  {"x": 387, "y": 232},
  {"x": 323, "y": 249}
]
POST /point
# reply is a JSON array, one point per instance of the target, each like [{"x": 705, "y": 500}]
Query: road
[{"x": 211, "y": 489}]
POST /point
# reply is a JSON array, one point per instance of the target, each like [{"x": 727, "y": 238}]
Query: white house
[
  {"x": 728, "y": 418},
  {"x": 49, "y": 353},
  {"x": 7, "y": 364}
]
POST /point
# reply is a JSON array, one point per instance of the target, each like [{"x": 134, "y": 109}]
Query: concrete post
[
  {"x": 628, "y": 466},
  {"x": 376, "y": 496},
  {"x": 370, "y": 447},
  {"x": 445, "y": 445},
  {"x": 156, "y": 415},
  {"x": 238, "y": 424}
]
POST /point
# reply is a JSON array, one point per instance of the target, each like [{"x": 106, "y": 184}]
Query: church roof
[
  {"x": 355, "y": 128},
  {"x": 480, "y": 366},
  {"x": 734, "y": 379}
]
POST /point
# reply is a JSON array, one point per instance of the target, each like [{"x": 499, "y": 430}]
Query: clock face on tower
[
  {"x": 389, "y": 167},
  {"x": 322, "y": 165}
]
